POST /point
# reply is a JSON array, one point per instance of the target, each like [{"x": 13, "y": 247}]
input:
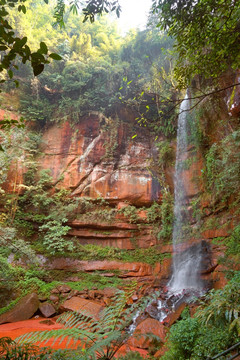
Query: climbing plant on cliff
[{"x": 49, "y": 212}]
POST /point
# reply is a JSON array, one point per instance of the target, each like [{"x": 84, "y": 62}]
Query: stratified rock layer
[{"x": 96, "y": 161}]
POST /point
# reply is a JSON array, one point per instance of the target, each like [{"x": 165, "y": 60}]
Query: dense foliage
[
  {"x": 16, "y": 47},
  {"x": 207, "y": 35},
  {"x": 213, "y": 328},
  {"x": 99, "y": 71}
]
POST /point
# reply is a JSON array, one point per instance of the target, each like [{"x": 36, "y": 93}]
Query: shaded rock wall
[{"x": 95, "y": 160}]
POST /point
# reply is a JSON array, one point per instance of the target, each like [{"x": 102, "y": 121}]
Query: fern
[
  {"x": 101, "y": 338},
  {"x": 9, "y": 350}
]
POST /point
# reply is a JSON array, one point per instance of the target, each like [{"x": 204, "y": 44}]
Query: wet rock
[
  {"x": 125, "y": 177},
  {"x": 166, "y": 268},
  {"x": 152, "y": 310},
  {"x": 42, "y": 297},
  {"x": 157, "y": 282},
  {"x": 174, "y": 316},
  {"x": 134, "y": 297},
  {"x": 107, "y": 275},
  {"x": 47, "y": 322},
  {"x": 107, "y": 301},
  {"x": 47, "y": 309},
  {"x": 139, "y": 338},
  {"x": 23, "y": 310},
  {"x": 91, "y": 294}
]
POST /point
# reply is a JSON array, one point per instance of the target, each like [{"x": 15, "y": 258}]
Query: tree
[
  {"x": 12, "y": 46},
  {"x": 207, "y": 34}
]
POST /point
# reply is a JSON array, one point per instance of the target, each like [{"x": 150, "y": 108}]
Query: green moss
[
  {"x": 12, "y": 303},
  {"x": 89, "y": 281},
  {"x": 45, "y": 289}
]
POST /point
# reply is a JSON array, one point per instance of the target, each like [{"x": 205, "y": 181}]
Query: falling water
[{"x": 186, "y": 262}]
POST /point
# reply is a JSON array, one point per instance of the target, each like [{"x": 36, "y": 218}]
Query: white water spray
[{"x": 186, "y": 263}]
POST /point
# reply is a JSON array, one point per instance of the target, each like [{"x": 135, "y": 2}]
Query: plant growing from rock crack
[{"x": 101, "y": 339}]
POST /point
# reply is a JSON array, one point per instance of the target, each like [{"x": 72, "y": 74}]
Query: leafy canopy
[
  {"x": 14, "y": 46},
  {"x": 207, "y": 35}
]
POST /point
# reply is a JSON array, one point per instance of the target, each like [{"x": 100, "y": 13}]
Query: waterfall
[{"x": 186, "y": 262}]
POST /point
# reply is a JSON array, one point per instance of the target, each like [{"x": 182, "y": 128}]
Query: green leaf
[
  {"x": 37, "y": 69},
  {"x": 16, "y": 83},
  {"x": 23, "y": 41},
  {"x": 43, "y": 48},
  {"x": 10, "y": 73},
  {"x": 55, "y": 56}
]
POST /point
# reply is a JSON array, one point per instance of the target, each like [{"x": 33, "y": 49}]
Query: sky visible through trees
[{"x": 134, "y": 14}]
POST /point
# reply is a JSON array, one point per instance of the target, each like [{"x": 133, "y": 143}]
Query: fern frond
[
  {"x": 106, "y": 340},
  {"x": 79, "y": 320},
  {"x": 103, "y": 337},
  {"x": 58, "y": 335}
]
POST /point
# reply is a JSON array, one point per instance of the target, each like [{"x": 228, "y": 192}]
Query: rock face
[
  {"x": 100, "y": 161},
  {"x": 117, "y": 233},
  {"x": 24, "y": 309},
  {"x": 126, "y": 269}
]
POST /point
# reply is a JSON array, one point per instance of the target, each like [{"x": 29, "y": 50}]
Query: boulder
[
  {"x": 174, "y": 316},
  {"x": 55, "y": 291},
  {"x": 54, "y": 298},
  {"x": 47, "y": 309},
  {"x": 23, "y": 310},
  {"x": 152, "y": 310},
  {"x": 64, "y": 288},
  {"x": 109, "y": 292},
  {"x": 90, "y": 308},
  {"x": 141, "y": 340}
]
